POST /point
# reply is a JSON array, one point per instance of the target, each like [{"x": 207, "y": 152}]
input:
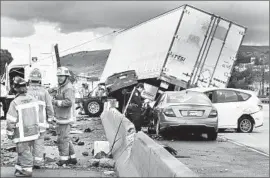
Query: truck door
[
  {"x": 223, "y": 66},
  {"x": 188, "y": 44},
  {"x": 203, "y": 75}
]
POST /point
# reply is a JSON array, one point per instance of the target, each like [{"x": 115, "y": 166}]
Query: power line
[{"x": 89, "y": 41}]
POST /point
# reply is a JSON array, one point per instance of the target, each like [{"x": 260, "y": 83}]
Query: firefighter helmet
[
  {"x": 63, "y": 71},
  {"x": 19, "y": 82},
  {"x": 35, "y": 75}
]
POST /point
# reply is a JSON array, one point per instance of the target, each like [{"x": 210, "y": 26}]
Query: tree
[
  {"x": 6, "y": 58},
  {"x": 241, "y": 79}
]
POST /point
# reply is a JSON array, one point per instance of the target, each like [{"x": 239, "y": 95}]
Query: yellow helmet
[
  {"x": 63, "y": 71},
  {"x": 35, "y": 75}
]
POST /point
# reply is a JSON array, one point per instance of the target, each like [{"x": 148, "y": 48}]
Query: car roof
[{"x": 200, "y": 89}]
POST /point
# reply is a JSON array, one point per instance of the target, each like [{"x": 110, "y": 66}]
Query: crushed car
[{"x": 185, "y": 112}]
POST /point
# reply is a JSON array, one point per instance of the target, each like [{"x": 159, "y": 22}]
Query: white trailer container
[{"x": 185, "y": 46}]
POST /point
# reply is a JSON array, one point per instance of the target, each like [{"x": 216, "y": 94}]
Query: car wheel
[
  {"x": 245, "y": 125},
  {"x": 212, "y": 135},
  {"x": 93, "y": 108}
]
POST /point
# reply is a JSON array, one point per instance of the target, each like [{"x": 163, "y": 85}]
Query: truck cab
[{"x": 23, "y": 70}]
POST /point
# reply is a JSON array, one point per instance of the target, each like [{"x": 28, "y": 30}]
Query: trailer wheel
[{"x": 93, "y": 108}]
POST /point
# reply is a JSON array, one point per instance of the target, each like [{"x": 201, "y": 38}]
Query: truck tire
[{"x": 93, "y": 107}]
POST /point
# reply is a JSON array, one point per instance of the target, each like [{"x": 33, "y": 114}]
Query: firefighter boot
[
  {"x": 62, "y": 162},
  {"x": 22, "y": 173}
]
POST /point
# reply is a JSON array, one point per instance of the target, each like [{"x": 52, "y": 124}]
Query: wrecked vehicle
[
  {"x": 178, "y": 49},
  {"x": 237, "y": 109},
  {"x": 48, "y": 70},
  {"x": 115, "y": 87},
  {"x": 185, "y": 112}
]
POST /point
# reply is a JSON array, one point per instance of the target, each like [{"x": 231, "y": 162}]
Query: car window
[
  {"x": 210, "y": 95},
  {"x": 190, "y": 97},
  {"x": 224, "y": 96},
  {"x": 243, "y": 96}
]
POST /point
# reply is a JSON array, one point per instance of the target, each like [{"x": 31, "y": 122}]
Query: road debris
[
  {"x": 106, "y": 163},
  {"x": 76, "y": 132},
  {"x": 81, "y": 143},
  {"x": 101, "y": 146},
  {"x": 109, "y": 173},
  {"x": 85, "y": 153},
  {"x": 94, "y": 162},
  {"x": 47, "y": 138},
  {"x": 88, "y": 130},
  {"x": 100, "y": 155}
]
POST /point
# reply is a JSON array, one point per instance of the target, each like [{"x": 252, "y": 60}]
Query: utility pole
[
  {"x": 57, "y": 55},
  {"x": 30, "y": 55},
  {"x": 263, "y": 73}
]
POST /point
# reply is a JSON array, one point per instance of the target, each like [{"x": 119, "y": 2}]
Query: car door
[{"x": 226, "y": 103}]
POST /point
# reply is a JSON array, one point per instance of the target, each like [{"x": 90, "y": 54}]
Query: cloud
[
  {"x": 14, "y": 28},
  {"x": 74, "y": 16}
]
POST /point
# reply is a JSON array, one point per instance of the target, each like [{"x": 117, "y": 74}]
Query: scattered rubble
[
  {"x": 85, "y": 153},
  {"x": 100, "y": 155},
  {"x": 88, "y": 130},
  {"x": 47, "y": 138},
  {"x": 94, "y": 162},
  {"x": 81, "y": 143},
  {"x": 103, "y": 163},
  {"x": 102, "y": 148},
  {"x": 109, "y": 173},
  {"x": 222, "y": 139},
  {"x": 106, "y": 163}
]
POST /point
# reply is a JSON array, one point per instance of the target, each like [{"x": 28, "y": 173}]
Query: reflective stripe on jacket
[
  {"x": 65, "y": 98},
  {"x": 23, "y": 119},
  {"x": 45, "y": 105}
]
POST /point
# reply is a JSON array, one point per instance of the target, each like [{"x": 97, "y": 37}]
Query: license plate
[{"x": 192, "y": 113}]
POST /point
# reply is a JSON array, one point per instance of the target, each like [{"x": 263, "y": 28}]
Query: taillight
[
  {"x": 169, "y": 112},
  {"x": 213, "y": 113}
]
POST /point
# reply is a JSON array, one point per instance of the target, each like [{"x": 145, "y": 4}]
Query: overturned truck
[{"x": 183, "y": 48}]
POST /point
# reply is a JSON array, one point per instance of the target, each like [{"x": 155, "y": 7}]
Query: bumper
[
  {"x": 258, "y": 118},
  {"x": 191, "y": 125}
]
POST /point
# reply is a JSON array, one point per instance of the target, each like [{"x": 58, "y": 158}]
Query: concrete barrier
[{"x": 136, "y": 154}]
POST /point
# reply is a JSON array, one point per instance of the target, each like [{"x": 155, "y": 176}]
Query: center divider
[{"x": 136, "y": 154}]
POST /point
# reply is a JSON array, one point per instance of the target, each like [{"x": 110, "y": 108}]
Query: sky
[{"x": 37, "y": 25}]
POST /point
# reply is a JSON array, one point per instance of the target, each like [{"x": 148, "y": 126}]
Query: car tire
[
  {"x": 93, "y": 108},
  {"x": 212, "y": 135},
  {"x": 245, "y": 125}
]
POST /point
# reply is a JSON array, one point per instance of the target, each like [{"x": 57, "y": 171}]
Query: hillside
[{"x": 93, "y": 62}]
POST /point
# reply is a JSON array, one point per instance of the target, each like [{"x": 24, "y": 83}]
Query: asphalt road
[
  {"x": 218, "y": 158},
  {"x": 222, "y": 158},
  {"x": 258, "y": 139}
]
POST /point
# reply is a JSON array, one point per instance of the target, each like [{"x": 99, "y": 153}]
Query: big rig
[{"x": 183, "y": 48}]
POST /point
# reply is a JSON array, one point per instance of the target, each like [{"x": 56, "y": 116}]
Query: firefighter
[
  {"x": 23, "y": 127},
  {"x": 64, "y": 107},
  {"x": 135, "y": 106},
  {"x": 37, "y": 91}
]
